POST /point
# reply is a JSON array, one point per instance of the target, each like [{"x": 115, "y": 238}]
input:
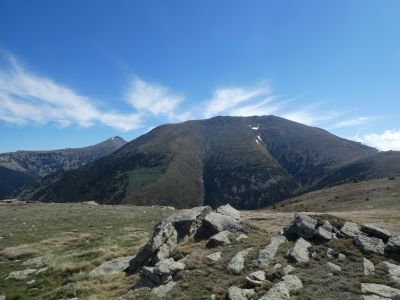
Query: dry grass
[{"x": 19, "y": 252}]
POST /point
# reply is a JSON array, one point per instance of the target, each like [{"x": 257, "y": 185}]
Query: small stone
[
  {"x": 369, "y": 268},
  {"x": 334, "y": 267},
  {"x": 162, "y": 290},
  {"x": 277, "y": 266},
  {"x": 329, "y": 253},
  {"x": 235, "y": 293},
  {"x": 241, "y": 237},
  {"x": 216, "y": 256},
  {"x": 116, "y": 265},
  {"x": 213, "y": 297},
  {"x": 341, "y": 256},
  {"x": 31, "y": 282},
  {"x": 256, "y": 278},
  {"x": 236, "y": 265},
  {"x": 288, "y": 269},
  {"x": 281, "y": 290}
]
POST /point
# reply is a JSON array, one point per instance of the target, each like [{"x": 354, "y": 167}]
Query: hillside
[
  {"x": 249, "y": 162},
  {"x": 22, "y": 167}
]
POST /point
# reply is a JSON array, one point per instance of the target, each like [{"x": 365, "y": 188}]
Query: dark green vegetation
[
  {"x": 249, "y": 162},
  {"x": 23, "y": 167},
  {"x": 70, "y": 239}
]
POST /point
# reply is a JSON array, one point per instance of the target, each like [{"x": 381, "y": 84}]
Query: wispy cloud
[
  {"x": 387, "y": 140},
  {"x": 350, "y": 122},
  {"x": 26, "y": 97},
  {"x": 225, "y": 99},
  {"x": 153, "y": 98}
]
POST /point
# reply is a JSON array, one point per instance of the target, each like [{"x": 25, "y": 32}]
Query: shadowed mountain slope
[
  {"x": 248, "y": 162},
  {"x": 23, "y": 167}
]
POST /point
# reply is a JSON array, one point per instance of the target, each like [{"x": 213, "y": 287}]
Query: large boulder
[
  {"x": 228, "y": 210},
  {"x": 302, "y": 226},
  {"x": 266, "y": 255},
  {"x": 376, "y": 231},
  {"x": 215, "y": 222},
  {"x": 299, "y": 253},
  {"x": 369, "y": 244},
  {"x": 351, "y": 229},
  {"x": 394, "y": 271},
  {"x": 393, "y": 245},
  {"x": 380, "y": 290}
]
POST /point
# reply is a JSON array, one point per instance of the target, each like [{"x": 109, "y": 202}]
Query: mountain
[
  {"x": 23, "y": 167},
  {"x": 249, "y": 162}
]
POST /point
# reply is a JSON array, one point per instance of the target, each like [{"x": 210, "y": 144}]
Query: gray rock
[
  {"x": 380, "y": 290},
  {"x": 228, "y": 210},
  {"x": 19, "y": 275},
  {"x": 324, "y": 234},
  {"x": 236, "y": 265},
  {"x": 164, "y": 240},
  {"x": 302, "y": 226},
  {"x": 393, "y": 244},
  {"x": 394, "y": 271},
  {"x": 241, "y": 237},
  {"x": 334, "y": 267},
  {"x": 266, "y": 255},
  {"x": 187, "y": 221},
  {"x": 2, "y": 297},
  {"x": 216, "y": 256},
  {"x": 281, "y": 290},
  {"x": 162, "y": 290},
  {"x": 116, "y": 265},
  {"x": 374, "y": 297},
  {"x": 351, "y": 229},
  {"x": 235, "y": 293},
  {"x": 369, "y": 244},
  {"x": 341, "y": 256},
  {"x": 327, "y": 226},
  {"x": 299, "y": 253},
  {"x": 213, "y": 297},
  {"x": 376, "y": 231},
  {"x": 369, "y": 268},
  {"x": 288, "y": 269},
  {"x": 215, "y": 222},
  {"x": 163, "y": 271},
  {"x": 256, "y": 278},
  {"x": 329, "y": 253},
  {"x": 219, "y": 239}
]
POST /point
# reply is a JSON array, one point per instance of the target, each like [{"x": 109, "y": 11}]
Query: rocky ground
[{"x": 87, "y": 251}]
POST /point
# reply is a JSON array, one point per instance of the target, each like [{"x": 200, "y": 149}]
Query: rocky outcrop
[
  {"x": 266, "y": 255},
  {"x": 302, "y": 226},
  {"x": 158, "y": 261}
]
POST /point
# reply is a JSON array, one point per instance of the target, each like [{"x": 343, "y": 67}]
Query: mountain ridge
[
  {"x": 28, "y": 166},
  {"x": 249, "y": 162}
]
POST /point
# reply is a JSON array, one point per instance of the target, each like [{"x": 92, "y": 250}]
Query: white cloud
[
  {"x": 388, "y": 140},
  {"x": 311, "y": 115},
  {"x": 225, "y": 99},
  {"x": 350, "y": 122},
  {"x": 26, "y": 97},
  {"x": 152, "y": 97}
]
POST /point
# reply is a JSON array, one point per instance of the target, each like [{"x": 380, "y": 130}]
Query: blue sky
[{"x": 73, "y": 73}]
